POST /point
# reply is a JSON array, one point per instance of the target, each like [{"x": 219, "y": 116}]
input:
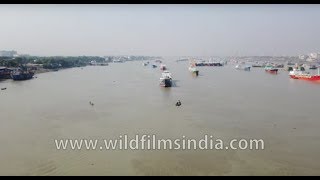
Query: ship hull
[
  {"x": 166, "y": 83},
  {"x": 272, "y": 71},
  {"x": 22, "y": 77},
  {"x": 307, "y": 78}
]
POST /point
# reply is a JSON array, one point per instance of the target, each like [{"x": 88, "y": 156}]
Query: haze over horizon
[{"x": 160, "y": 30}]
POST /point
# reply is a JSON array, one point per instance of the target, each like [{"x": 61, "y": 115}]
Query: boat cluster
[
  {"x": 166, "y": 78},
  {"x": 297, "y": 71},
  {"x": 17, "y": 74}
]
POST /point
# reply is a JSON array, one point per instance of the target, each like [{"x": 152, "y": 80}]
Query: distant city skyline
[{"x": 160, "y": 30}]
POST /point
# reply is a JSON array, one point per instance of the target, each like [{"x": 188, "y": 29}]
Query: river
[{"x": 127, "y": 98}]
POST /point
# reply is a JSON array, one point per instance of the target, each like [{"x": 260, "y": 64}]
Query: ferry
[
  {"x": 245, "y": 68},
  {"x": 298, "y": 74},
  {"x": 271, "y": 69},
  {"x": 20, "y": 74},
  {"x": 166, "y": 79}
]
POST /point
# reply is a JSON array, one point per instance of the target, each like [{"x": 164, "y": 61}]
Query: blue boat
[{"x": 20, "y": 75}]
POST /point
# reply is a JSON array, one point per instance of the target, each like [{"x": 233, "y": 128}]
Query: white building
[
  {"x": 302, "y": 57},
  {"x": 314, "y": 55}
]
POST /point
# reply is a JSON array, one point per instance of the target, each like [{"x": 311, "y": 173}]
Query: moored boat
[
  {"x": 313, "y": 67},
  {"x": 208, "y": 63},
  {"x": 118, "y": 61},
  {"x": 257, "y": 66},
  {"x": 271, "y": 69},
  {"x": 20, "y": 74}
]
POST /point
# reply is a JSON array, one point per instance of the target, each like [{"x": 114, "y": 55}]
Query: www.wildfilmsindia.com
[{"x": 151, "y": 142}]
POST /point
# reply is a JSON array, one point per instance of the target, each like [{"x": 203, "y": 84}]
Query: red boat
[
  {"x": 298, "y": 74},
  {"x": 271, "y": 69}
]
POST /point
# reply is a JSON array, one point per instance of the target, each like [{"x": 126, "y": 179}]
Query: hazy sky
[{"x": 165, "y": 30}]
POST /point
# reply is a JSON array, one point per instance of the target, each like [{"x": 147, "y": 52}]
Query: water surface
[{"x": 222, "y": 101}]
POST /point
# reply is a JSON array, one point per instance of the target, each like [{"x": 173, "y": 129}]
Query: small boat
[
  {"x": 2, "y": 89},
  {"x": 158, "y": 61},
  {"x": 117, "y": 61},
  {"x": 271, "y": 69},
  {"x": 192, "y": 67},
  {"x": 257, "y": 66},
  {"x": 245, "y": 68},
  {"x": 279, "y": 66},
  {"x": 166, "y": 79},
  {"x": 181, "y": 60},
  {"x": 144, "y": 64},
  {"x": 163, "y": 67},
  {"x": 104, "y": 64},
  {"x": 313, "y": 67},
  {"x": 178, "y": 103},
  {"x": 154, "y": 66},
  {"x": 298, "y": 74},
  {"x": 20, "y": 74},
  {"x": 194, "y": 70}
]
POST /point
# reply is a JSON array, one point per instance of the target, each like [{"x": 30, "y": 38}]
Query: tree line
[{"x": 50, "y": 62}]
